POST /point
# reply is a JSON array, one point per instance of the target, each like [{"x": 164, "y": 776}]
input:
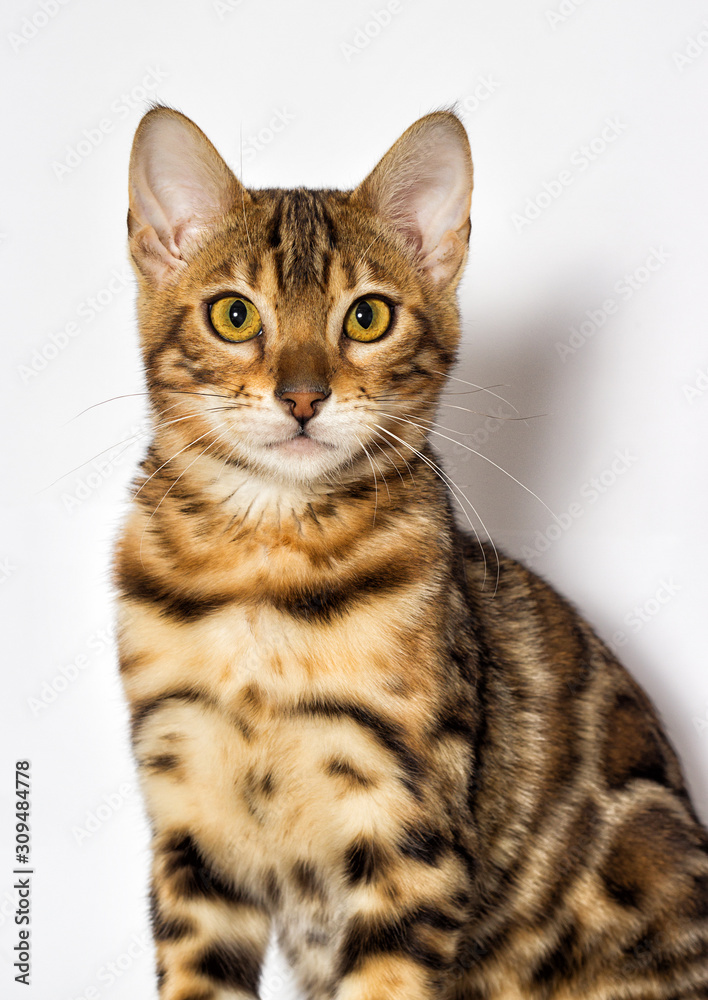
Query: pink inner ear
[
  {"x": 178, "y": 181},
  {"x": 439, "y": 200},
  {"x": 423, "y": 185}
]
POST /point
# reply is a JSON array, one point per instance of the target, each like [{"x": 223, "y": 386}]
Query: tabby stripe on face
[
  {"x": 388, "y": 734},
  {"x": 273, "y": 236},
  {"x": 428, "y": 337},
  {"x": 223, "y": 271},
  {"x": 329, "y": 226},
  {"x": 170, "y": 337},
  {"x": 304, "y": 240}
]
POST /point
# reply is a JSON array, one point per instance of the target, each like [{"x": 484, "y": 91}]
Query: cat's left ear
[
  {"x": 179, "y": 186},
  {"x": 423, "y": 187}
]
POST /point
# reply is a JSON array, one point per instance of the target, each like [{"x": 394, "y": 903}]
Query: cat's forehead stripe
[{"x": 303, "y": 236}]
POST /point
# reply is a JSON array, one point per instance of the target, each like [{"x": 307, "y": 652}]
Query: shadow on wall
[{"x": 549, "y": 454}]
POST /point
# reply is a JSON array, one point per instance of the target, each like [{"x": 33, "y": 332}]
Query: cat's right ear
[{"x": 179, "y": 185}]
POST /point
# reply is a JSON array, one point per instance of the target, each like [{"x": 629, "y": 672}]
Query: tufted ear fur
[
  {"x": 423, "y": 187},
  {"x": 178, "y": 185}
]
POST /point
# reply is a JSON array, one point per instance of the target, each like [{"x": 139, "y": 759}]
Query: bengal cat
[{"x": 427, "y": 772}]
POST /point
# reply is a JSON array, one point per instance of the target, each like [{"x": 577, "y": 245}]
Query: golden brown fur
[{"x": 435, "y": 786}]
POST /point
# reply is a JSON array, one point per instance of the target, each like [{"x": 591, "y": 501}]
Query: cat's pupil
[
  {"x": 238, "y": 312},
  {"x": 364, "y": 314}
]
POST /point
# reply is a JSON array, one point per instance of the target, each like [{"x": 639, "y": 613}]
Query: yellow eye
[
  {"x": 368, "y": 319},
  {"x": 235, "y": 318}
]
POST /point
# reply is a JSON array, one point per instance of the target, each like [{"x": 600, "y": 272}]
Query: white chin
[
  {"x": 301, "y": 446},
  {"x": 302, "y": 457}
]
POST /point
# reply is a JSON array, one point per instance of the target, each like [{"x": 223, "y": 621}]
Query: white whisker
[
  {"x": 479, "y": 388},
  {"x": 382, "y": 475},
  {"x": 383, "y": 452},
  {"x": 376, "y": 488},
  {"x": 478, "y": 453},
  {"x": 491, "y": 416},
  {"x": 164, "y": 495},
  {"x": 452, "y": 485},
  {"x": 190, "y": 445},
  {"x": 401, "y": 456}
]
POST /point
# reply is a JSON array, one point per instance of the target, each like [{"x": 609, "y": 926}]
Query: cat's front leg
[
  {"x": 401, "y": 940},
  {"x": 393, "y": 956},
  {"x": 211, "y": 917},
  {"x": 210, "y": 935}
]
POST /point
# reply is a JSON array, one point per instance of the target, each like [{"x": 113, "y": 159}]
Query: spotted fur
[{"x": 434, "y": 783}]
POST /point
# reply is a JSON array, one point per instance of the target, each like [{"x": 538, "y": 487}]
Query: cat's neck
[
  {"x": 254, "y": 494},
  {"x": 209, "y": 511}
]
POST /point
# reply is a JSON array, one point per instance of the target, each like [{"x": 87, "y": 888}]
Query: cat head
[{"x": 296, "y": 333}]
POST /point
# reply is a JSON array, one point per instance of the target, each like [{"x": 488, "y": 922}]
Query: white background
[{"x": 534, "y": 89}]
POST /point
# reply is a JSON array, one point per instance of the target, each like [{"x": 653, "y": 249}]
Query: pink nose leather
[{"x": 302, "y": 404}]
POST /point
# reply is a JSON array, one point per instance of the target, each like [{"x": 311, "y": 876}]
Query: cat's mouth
[{"x": 301, "y": 444}]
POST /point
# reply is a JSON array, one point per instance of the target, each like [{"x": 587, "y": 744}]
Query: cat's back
[
  {"x": 579, "y": 798},
  {"x": 546, "y": 676}
]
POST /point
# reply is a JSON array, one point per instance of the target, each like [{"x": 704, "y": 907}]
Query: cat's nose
[{"x": 303, "y": 405}]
